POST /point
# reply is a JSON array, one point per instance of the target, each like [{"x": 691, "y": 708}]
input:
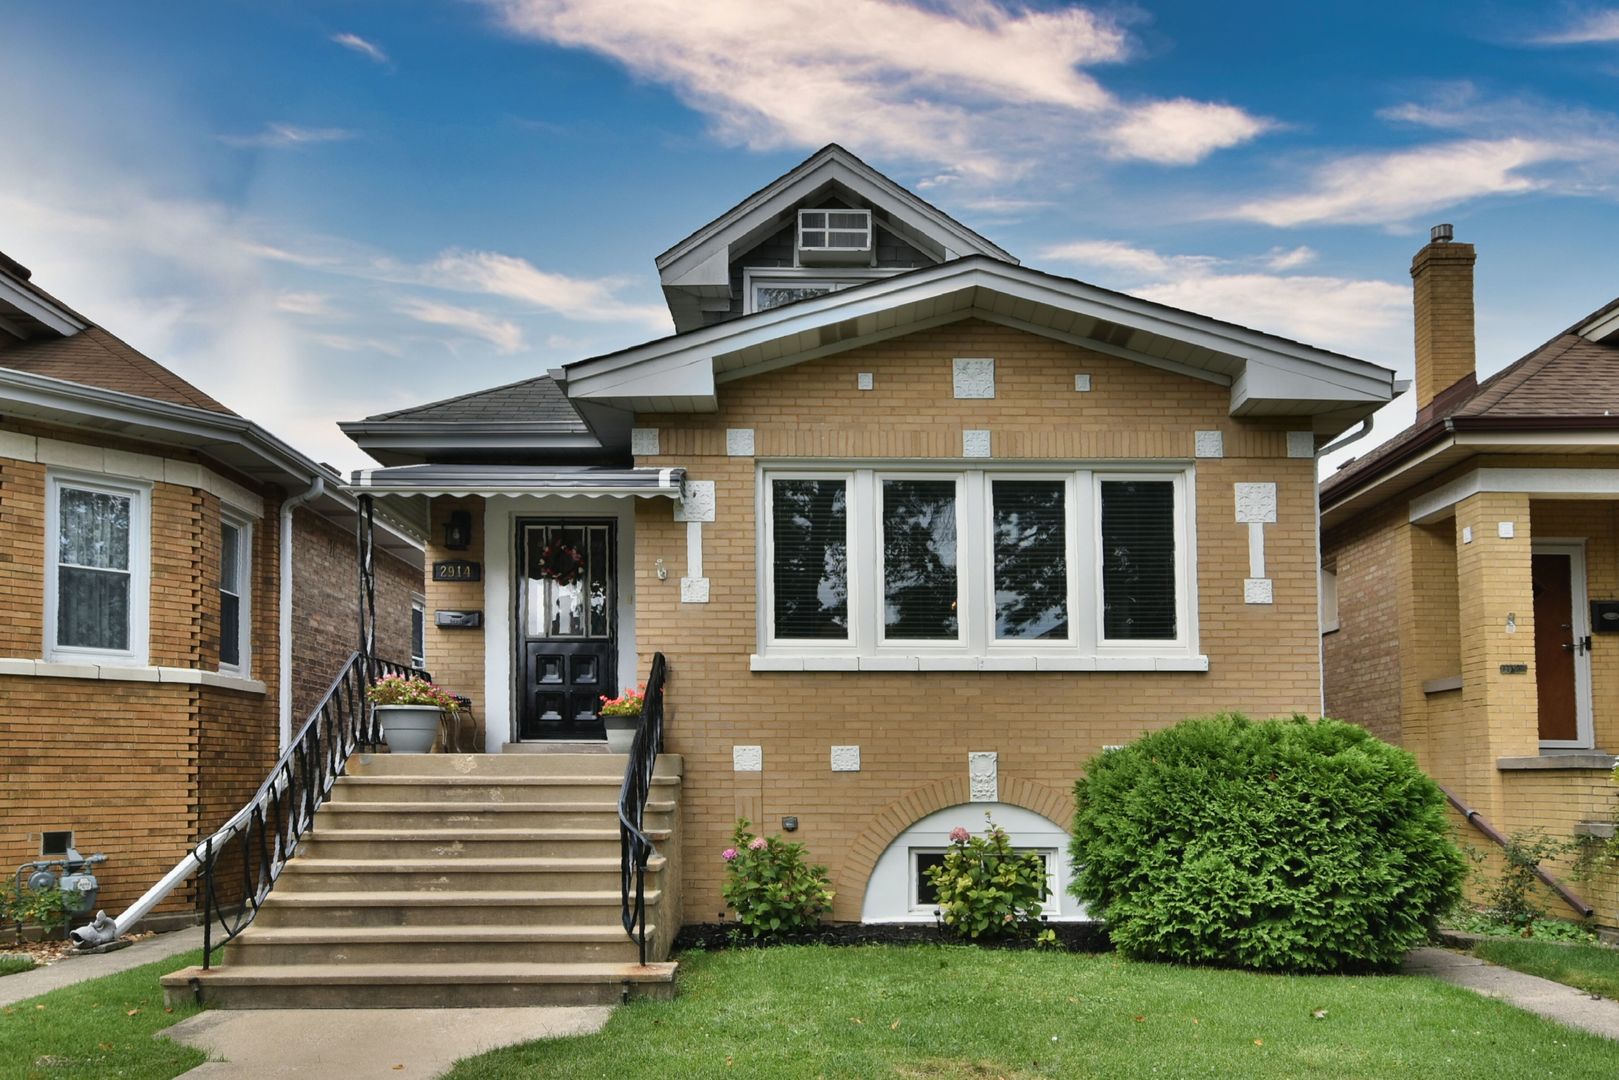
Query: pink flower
[
  {"x": 758, "y": 844},
  {"x": 959, "y": 835},
  {"x": 728, "y": 854}
]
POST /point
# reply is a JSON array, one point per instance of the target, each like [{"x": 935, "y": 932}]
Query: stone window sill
[
  {"x": 54, "y": 669},
  {"x": 796, "y": 662},
  {"x": 1579, "y": 759}
]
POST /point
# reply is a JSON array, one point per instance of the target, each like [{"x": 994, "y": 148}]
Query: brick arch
[{"x": 888, "y": 823}]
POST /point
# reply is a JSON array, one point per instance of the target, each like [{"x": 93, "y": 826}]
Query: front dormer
[{"x": 829, "y": 224}]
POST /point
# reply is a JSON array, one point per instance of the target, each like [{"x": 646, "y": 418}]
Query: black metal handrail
[
  {"x": 267, "y": 830},
  {"x": 634, "y": 846}
]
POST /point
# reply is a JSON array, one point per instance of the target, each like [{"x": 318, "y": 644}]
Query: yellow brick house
[
  {"x": 917, "y": 528},
  {"x": 1473, "y": 565}
]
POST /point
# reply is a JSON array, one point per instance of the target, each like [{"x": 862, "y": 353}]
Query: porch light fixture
[{"x": 458, "y": 530}]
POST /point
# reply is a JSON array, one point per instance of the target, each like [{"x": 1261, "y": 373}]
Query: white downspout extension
[
  {"x": 1364, "y": 430},
  {"x": 284, "y": 634}
]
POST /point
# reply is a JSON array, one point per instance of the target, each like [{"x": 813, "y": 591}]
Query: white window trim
[
  {"x": 140, "y": 566},
  {"x": 242, "y": 522},
  {"x": 837, "y": 278},
  {"x": 1086, "y": 649},
  {"x": 418, "y": 605}
]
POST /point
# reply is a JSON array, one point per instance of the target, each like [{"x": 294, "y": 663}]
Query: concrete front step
[
  {"x": 490, "y": 789},
  {"x": 577, "y": 842},
  {"x": 276, "y": 947},
  {"x": 503, "y": 765},
  {"x": 475, "y": 817},
  {"x": 482, "y": 907},
  {"x": 416, "y": 986},
  {"x": 456, "y": 875}
]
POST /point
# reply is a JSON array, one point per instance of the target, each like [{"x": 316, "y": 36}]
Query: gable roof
[
  {"x": 538, "y": 399},
  {"x": 1568, "y": 383},
  {"x": 94, "y": 357},
  {"x": 1267, "y": 374}
]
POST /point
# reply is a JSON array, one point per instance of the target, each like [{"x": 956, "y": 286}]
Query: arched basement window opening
[{"x": 897, "y": 891}]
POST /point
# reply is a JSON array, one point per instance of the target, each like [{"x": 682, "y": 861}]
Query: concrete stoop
[{"x": 444, "y": 880}]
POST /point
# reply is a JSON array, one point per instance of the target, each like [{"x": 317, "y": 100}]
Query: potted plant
[
  {"x": 408, "y": 711},
  {"x": 622, "y": 716}
]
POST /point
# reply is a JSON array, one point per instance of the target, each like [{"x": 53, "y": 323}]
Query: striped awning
[{"x": 489, "y": 480}]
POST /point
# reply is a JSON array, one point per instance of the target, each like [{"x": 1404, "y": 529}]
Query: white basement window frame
[
  {"x": 1082, "y": 644},
  {"x": 918, "y": 905},
  {"x": 235, "y": 584},
  {"x": 122, "y": 564}
]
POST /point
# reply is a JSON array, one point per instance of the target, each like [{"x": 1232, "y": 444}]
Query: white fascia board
[
  {"x": 709, "y": 273},
  {"x": 1547, "y": 483},
  {"x": 31, "y": 303},
  {"x": 678, "y": 375},
  {"x": 1602, "y": 328},
  {"x": 1268, "y": 382},
  {"x": 1333, "y": 375}
]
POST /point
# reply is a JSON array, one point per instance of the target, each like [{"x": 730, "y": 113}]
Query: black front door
[{"x": 567, "y": 613}]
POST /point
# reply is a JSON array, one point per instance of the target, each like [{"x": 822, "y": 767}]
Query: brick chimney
[{"x": 1442, "y": 295}]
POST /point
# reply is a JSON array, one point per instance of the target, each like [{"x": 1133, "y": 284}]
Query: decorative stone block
[
  {"x": 983, "y": 777},
  {"x": 863, "y": 381},
  {"x": 1210, "y": 444},
  {"x": 1256, "y": 503},
  {"x": 1301, "y": 444},
  {"x": 694, "y": 590},
  {"x": 739, "y": 441},
  {"x": 1257, "y": 591},
  {"x": 1467, "y": 534},
  {"x": 974, "y": 378},
  {"x": 747, "y": 759},
  {"x": 974, "y": 443},
  {"x": 846, "y": 759},
  {"x": 1082, "y": 384},
  {"x": 696, "y": 501},
  {"x": 1505, "y": 530},
  {"x": 643, "y": 441}
]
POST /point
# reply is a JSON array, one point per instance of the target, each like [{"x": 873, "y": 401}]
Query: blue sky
[{"x": 321, "y": 211}]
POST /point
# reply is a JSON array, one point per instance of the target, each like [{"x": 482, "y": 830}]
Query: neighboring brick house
[
  {"x": 143, "y": 689},
  {"x": 1475, "y": 562},
  {"x": 918, "y": 529}
]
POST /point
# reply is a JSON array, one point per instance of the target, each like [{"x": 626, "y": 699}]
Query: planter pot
[
  {"x": 409, "y": 729},
  {"x": 621, "y": 732}
]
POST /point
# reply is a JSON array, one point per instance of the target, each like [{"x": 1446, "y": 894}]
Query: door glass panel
[
  {"x": 600, "y": 616},
  {"x": 1031, "y": 559},
  {"x": 567, "y": 583},
  {"x": 919, "y": 560}
]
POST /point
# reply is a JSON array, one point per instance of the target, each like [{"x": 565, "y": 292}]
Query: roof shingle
[{"x": 93, "y": 357}]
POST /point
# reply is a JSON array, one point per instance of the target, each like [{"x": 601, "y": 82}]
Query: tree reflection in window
[
  {"x": 1031, "y": 559},
  {"x": 810, "y": 533},
  {"x": 919, "y": 560}
]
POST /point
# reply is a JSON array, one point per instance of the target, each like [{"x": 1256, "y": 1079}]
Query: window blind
[
  {"x": 1138, "y": 560},
  {"x": 810, "y": 530},
  {"x": 919, "y": 560},
  {"x": 1031, "y": 559}
]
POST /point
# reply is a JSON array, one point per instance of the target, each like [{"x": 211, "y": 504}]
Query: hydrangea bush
[
  {"x": 1286, "y": 845},
  {"x": 770, "y": 886},
  {"x": 989, "y": 889}
]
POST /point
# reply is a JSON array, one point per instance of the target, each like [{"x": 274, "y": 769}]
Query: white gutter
[{"x": 284, "y": 678}]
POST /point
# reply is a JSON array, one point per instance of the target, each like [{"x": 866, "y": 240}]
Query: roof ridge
[{"x": 397, "y": 413}]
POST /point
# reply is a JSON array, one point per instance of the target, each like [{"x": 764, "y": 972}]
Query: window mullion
[
  {"x": 973, "y": 563},
  {"x": 1085, "y": 578},
  {"x": 865, "y": 565}
]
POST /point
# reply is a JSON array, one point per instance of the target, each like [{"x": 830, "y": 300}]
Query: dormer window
[{"x": 834, "y": 237}]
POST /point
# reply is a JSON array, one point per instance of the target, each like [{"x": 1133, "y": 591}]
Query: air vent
[{"x": 834, "y": 237}]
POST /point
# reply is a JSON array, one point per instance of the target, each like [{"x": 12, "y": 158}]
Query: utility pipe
[{"x": 284, "y": 679}]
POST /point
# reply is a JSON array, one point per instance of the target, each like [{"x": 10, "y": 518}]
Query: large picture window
[
  {"x": 999, "y": 568},
  {"x": 97, "y": 576}
]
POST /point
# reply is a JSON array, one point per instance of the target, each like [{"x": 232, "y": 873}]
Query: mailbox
[
  {"x": 1605, "y": 616},
  {"x": 458, "y": 620}
]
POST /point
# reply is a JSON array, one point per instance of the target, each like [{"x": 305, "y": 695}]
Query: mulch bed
[
  {"x": 712, "y": 937},
  {"x": 54, "y": 949}
]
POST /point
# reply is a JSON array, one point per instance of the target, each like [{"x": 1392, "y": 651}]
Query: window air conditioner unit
[{"x": 834, "y": 237}]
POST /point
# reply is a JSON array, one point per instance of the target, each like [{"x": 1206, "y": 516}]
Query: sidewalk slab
[
  {"x": 77, "y": 969},
  {"x": 365, "y": 1044},
  {"x": 1563, "y": 1004}
]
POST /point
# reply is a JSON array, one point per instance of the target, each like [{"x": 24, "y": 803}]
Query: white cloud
[
  {"x": 1392, "y": 188},
  {"x": 368, "y": 49},
  {"x": 503, "y": 334},
  {"x": 1596, "y": 27},
  {"x": 494, "y": 274},
  {"x": 1289, "y": 258},
  {"x": 280, "y": 135},
  {"x": 979, "y": 87},
  {"x": 313, "y": 304},
  {"x": 1136, "y": 262}
]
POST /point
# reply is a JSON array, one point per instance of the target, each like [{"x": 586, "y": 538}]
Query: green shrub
[
  {"x": 770, "y": 886},
  {"x": 989, "y": 889},
  {"x": 44, "y": 908},
  {"x": 1511, "y": 897},
  {"x": 1287, "y": 845}
]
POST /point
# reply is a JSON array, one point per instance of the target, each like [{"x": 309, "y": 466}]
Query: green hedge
[{"x": 1284, "y": 845}]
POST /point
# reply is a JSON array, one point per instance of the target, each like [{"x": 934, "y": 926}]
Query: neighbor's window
[
  {"x": 97, "y": 576},
  {"x": 998, "y": 563},
  {"x": 235, "y": 560}
]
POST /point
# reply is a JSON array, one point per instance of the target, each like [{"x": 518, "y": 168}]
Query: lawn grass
[
  {"x": 98, "y": 1029},
  {"x": 954, "y": 1012},
  {"x": 16, "y": 965},
  {"x": 1591, "y": 968}
]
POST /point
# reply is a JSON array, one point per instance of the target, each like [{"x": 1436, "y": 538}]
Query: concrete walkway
[
  {"x": 363, "y": 1044},
  {"x": 1564, "y": 1004},
  {"x": 76, "y": 969}
]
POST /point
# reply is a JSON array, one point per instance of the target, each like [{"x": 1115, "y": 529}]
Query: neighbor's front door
[
  {"x": 567, "y": 614},
  {"x": 1562, "y": 644}
]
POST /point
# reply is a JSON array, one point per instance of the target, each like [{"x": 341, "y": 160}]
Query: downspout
[{"x": 284, "y": 678}]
